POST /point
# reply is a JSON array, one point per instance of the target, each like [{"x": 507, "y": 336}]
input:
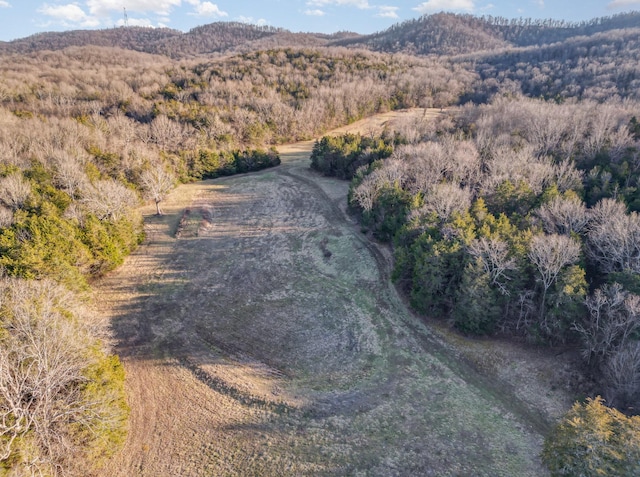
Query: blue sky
[{"x": 20, "y": 18}]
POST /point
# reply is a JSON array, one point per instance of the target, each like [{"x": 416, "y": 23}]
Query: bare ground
[{"x": 261, "y": 336}]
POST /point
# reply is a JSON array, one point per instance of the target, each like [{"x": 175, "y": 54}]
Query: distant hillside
[
  {"x": 552, "y": 59},
  {"x": 449, "y": 34},
  {"x": 598, "y": 66},
  {"x": 222, "y": 37},
  {"x": 439, "y": 34},
  {"x": 130, "y": 38},
  {"x": 219, "y": 37}
]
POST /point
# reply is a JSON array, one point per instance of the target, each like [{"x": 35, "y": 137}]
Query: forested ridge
[
  {"x": 438, "y": 34},
  {"x": 447, "y": 34},
  {"x": 215, "y": 38},
  {"x": 516, "y": 214}
]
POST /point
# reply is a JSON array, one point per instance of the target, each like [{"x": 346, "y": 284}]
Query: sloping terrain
[
  {"x": 438, "y": 34},
  {"x": 450, "y": 34},
  {"x": 213, "y": 38},
  {"x": 261, "y": 336}
]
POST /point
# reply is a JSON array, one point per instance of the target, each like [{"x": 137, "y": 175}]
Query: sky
[{"x": 21, "y": 18}]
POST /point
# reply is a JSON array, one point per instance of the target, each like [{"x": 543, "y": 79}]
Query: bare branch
[{"x": 494, "y": 255}]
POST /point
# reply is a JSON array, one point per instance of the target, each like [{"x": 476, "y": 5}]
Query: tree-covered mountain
[
  {"x": 598, "y": 66},
  {"x": 219, "y": 37},
  {"x": 438, "y": 34},
  {"x": 449, "y": 34}
]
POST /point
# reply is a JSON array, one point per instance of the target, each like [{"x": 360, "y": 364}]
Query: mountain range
[{"x": 438, "y": 34}]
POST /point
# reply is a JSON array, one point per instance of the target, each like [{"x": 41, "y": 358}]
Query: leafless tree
[
  {"x": 157, "y": 182},
  {"x": 6, "y": 217},
  {"x": 519, "y": 165},
  {"x": 563, "y": 215},
  {"x": 445, "y": 199},
  {"x": 166, "y": 133},
  {"x": 566, "y": 176},
  {"x": 494, "y": 255},
  {"x": 604, "y": 122},
  {"x": 69, "y": 173},
  {"x": 108, "y": 199},
  {"x": 14, "y": 191},
  {"x": 44, "y": 352},
  {"x": 392, "y": 173},
  {"x": 550, "y": 254},
  {"x": 614, "y": 316},
  {"x": 426, "y": 164},
  {"x": 613, "y": 237},
  {"x": 366, "y": 193},
  {"x": 621, "y": 372},
  {"x": 464, "y": 161}
]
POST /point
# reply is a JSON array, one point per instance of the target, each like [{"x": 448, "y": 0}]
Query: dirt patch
[{"x": 261, "y": 336}]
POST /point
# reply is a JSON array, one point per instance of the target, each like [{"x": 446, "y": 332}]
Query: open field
[{"x": 261, "y": 336}]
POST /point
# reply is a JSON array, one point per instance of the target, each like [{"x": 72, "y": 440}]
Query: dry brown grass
[{"x": 261, "y": 336}]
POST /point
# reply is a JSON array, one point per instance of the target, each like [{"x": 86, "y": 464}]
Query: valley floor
[{"x": 261, "y": 336}]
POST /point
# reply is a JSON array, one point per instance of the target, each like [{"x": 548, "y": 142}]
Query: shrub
[{"x": 593, "y": 440}]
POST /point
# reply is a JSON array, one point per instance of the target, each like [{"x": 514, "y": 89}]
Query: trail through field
[{"x": 261, "y": 336}]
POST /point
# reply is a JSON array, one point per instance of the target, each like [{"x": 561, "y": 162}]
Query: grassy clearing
[{"x": 263, "y": 338}]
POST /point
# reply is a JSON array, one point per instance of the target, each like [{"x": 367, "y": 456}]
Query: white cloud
[
  {"x": 623, "y": 3},
  {"x": 387, "y": 12},
  {"x": 102, "y": 8},
  {"x": 4, "y": 4},
  {"x": 252, "y": 21},
  {"x": 314, "y": 13},
  {"x": 206, "y": 9},
  {"x": 540, "y": 3},
  {"x": 361, "y": 4},
  {"x": 68, "y": 15},
  {"x": 139, "y": 22},
  {"x": 445, "y": 5}
]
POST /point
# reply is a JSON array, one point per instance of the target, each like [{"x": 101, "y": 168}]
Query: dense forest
[
  {"x": 446, "y": 34},
  {"x": 518, "y": 218},
  {"x": 517, "y": 214}
]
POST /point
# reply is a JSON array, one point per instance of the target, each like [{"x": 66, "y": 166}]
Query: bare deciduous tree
[
  {"x": 621, "y": 372},
  {"x": 165, "y": 132},
  {"x": 566, "y": 176},
  {"x": 550, "y": 254},
  {"x": 563, "y": 215},
  {"x": 520, "y": 165},
  {"x": 445, "y": 199},
  {"x": 14, "y": 191},
  {"x": 69, "y": 173},
  {"x": 6, "y": 217},
  {"x": 44, "y": 352},
  {"x": 426, "y": 164},
  {"x": 108, "y": 199},
  {"x": 608, "y": 340},
  {"x": 613, "y": 237},
  {"x": 366, "y": 193},
  {"x": 157, "y": 182},
  {"x": 614, "y": 315},
  {"x": 494, "y": 255}
]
